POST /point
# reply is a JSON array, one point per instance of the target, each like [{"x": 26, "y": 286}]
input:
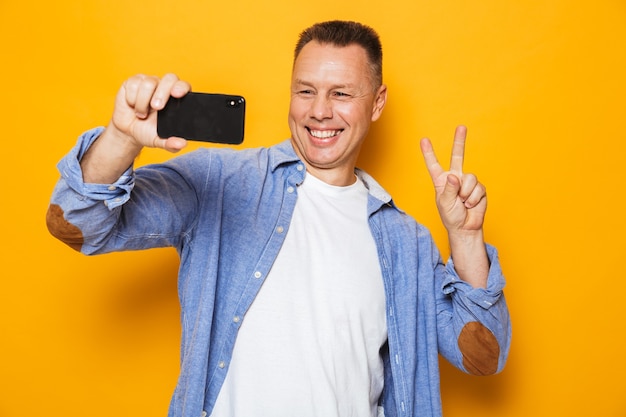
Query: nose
[{"x": 321, "y": 107}]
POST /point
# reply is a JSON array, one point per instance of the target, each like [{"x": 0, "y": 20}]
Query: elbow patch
[
  {"x": 480, "y": 349},
  {"x": 62, "y": 229}
]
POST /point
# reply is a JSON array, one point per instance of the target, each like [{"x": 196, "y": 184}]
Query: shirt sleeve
[
  {"x": 474, "y": 323},
  {"x": 484, "y": 297},
  {"x": 113, "y": 195},
  {"x": 102, "y": 218}
]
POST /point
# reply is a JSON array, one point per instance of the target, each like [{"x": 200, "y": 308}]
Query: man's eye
[
  {"x": 341, "y": 94},
  {"x": 305, "y": 92}
]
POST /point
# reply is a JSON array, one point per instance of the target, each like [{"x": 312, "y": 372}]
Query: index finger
[
  {"x": 170, "y": 85},
  {"x": 432, "y": 164},
  {"x": 458, "y": 149}
]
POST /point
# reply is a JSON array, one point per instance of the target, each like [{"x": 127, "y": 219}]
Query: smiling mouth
[{"x": 324, "y": 134}]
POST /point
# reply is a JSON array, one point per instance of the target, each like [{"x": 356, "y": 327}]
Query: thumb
[
  {"x": 172, "y": 144},
  {"x": 450, "y": 191}
]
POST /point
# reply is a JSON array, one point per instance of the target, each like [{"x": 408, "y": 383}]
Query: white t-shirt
[{"x": 309, "y": 344}]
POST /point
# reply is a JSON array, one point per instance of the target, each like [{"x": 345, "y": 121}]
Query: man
[{"x": 304, "y": 290}]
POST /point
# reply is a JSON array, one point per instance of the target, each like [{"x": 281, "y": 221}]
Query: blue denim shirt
[{"x": 227, "y": 213}]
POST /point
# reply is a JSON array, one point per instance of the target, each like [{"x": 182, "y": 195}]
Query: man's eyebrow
[
  {"x": 299, "y": 81},
  {"x": 302, "y": 82}
]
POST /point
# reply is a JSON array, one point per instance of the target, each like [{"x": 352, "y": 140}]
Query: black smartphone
[{"x": 217, "y": 118}]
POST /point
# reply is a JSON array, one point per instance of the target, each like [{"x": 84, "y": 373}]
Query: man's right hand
[
  {"x": 136, "y": 107},
  {"x": 132, "y": 127}
]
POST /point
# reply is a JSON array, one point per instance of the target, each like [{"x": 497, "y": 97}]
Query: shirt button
[
  {"x": 300, "y": 168},
  {"x": 280, "y": 229},
  {"x": 290, "y": 190},
  {"x": 204, "y": 414},
  {"x": 221, "y": 365},
  {"x": 257, "y": 274},
  {"x": 236, "y": 319},
  {"x": 112, "y": 187}
]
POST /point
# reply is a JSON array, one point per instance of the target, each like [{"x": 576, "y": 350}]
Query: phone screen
[{"x": 218, "y": 118}]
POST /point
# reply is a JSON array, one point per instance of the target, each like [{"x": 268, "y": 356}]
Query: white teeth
[{"x": 323, "y": 134}]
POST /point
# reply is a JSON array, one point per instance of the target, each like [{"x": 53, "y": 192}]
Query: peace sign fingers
[
  {"x": 460, "y": 197},
  {"x": 456, "y": 160}
]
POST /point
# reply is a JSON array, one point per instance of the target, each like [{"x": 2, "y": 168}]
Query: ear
[{"x": 379, "y": 102}]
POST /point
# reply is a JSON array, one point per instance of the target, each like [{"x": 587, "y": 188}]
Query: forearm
[
  {"x": 85, "y": 215},
  {"x": 108, "y": 157},
  {"x": 474, "y": 330},
  {"x": 470, "y": 257}
]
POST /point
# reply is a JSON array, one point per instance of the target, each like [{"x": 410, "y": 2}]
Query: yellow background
[{"x": 539, "y": 83}]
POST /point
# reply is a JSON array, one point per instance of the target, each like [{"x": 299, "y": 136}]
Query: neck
[{"x": 336, "y": 177}]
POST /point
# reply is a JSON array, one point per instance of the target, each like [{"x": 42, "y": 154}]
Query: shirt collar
[{"x": 283, "y": 153}]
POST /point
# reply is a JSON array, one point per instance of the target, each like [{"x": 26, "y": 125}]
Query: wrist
[
  {"x": 119, "y": 142},
  {"x": 469, "y": 254},
  {"x": 466, "y": 236},
  {"x": 109, "y": 156}
]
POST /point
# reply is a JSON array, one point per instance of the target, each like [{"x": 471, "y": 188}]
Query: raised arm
[
  {"x": 462, "y": 204},
  {"x": 132, "y": 126}
]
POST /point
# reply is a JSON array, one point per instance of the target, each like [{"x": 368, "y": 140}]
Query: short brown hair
[{"x": 344, "y": 33}]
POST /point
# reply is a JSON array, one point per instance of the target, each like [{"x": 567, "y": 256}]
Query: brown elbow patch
[
  {"x": 62, "y": 229},
  {"x": 480, "y": 349}
]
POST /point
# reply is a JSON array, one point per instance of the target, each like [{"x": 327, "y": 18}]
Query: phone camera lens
[{"x": 235, "y": 102}]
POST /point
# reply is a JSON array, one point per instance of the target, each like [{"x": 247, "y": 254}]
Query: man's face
[{"x": 333, "y": 103}]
